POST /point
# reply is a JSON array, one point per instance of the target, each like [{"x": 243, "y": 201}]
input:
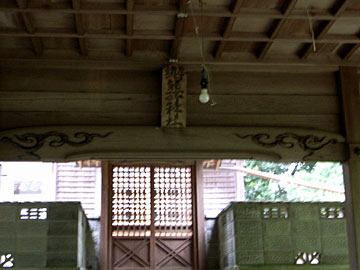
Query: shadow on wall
[
  {"x": 212, "y": 244},
  {"x": 93, "y": 247}
]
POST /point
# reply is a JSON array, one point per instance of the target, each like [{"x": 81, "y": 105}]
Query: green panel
[{"x": 270, "y": 235}]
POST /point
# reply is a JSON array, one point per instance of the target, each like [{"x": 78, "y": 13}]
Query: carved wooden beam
[{"x": 61, "y": 143}]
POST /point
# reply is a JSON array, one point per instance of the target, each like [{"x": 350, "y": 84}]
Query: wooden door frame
[
  {"x": 105, "y": 216},
  {"x": 198, "y": 209}
]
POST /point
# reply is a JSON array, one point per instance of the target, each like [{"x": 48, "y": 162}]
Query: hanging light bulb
[{"x": 204, "y": 93}]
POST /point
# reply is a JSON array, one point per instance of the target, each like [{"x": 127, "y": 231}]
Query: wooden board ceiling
[{"x": 145, "y": 34}]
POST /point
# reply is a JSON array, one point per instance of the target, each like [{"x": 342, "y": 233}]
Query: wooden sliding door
[{"x": 151, "y": 217}]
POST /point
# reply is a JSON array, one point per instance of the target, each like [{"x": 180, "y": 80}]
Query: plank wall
[
  {"x": 37, "y": 97},
  {"x": 77, "y": 184}
]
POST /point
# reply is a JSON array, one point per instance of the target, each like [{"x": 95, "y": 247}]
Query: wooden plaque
[{"x": 173, "y": 104}]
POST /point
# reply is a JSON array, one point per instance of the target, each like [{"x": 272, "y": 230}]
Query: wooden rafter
[
  {"x": 352, "y": 51},
  {"x": 30, "y": 28},
  {"x": 337, "y": 10},
  {"x": 286, "y": 10},
  {"x": 80, "y": 27},
  {"x": 153, "y": 36},
  {"x": 129, "y": 27},
  {"x": 228, "y": 28},
  {"x": 179, "y": 30}
]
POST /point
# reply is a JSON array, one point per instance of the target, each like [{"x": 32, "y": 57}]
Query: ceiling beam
[
  {"x": 179, "y": 30},
  {"x": 129, "y": 28},
  {"x": 286, "y": 64},
  {"x": 30, "y": 28},
  {"x": 80, "y": 27},
  {"x": 167, "y": 35},
  {"x": 216, "y": 11},
  {"x": 287, "y": 8},
  {"x": 228, "y": 28},
  {"x": 337, "y": 10}
]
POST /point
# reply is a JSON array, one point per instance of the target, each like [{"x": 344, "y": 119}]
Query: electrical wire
[
  {"x": 311, "y": 28},
  {"x": 201, "y": 43},
  {"x": 197, "y": 31}
]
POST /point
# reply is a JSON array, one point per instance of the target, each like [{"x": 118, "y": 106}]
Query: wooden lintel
[
  {"x": 228, "y": 28},
  {"x": 129, "y": 28},
  {"x": 114, "y": 142},
  {"x": 30, "y": 28},
  {"x": 287, "y": 8}
]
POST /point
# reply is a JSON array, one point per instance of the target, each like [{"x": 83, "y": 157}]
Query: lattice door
[{"x": 152, "y": 218}]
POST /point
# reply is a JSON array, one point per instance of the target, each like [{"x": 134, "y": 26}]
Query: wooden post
[
  {"x": 199, "y": 230},
  {"x": 105, "y": 217},
  {"x": 351, "y": 111},
  {"x": 173, "y": 104}
]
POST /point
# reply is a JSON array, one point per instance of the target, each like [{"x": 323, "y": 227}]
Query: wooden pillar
[
  {"x": 199, "y": 232},
  {"x": 349, "y": 82},
  {"x": 105, "y": 217}
]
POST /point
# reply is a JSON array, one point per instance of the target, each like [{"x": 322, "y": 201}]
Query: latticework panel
[
  {"x": 152, "y": 217},
  {"x": 131, "y": 201},
  {"x": 173, "y": 201},
  {"x": 137, "y": 190}
]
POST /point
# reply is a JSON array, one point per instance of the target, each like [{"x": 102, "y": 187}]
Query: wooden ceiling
[{"x": 145, "y": 34}]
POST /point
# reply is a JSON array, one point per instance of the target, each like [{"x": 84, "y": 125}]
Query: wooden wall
[
  {"x": 37, "y": 97},
  {"x": 79, "y": 184}
]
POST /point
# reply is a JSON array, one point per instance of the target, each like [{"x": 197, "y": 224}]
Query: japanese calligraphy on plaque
[{"x": 173, "y": 111}]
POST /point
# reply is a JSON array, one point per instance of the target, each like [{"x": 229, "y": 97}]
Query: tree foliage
[{"x": 259, "y": 189}]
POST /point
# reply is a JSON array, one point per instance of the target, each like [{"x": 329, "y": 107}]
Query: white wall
[{"x": 27, "y": 172}]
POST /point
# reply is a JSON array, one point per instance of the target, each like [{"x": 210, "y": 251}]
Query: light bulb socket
[
  {"x": 204, "y": 74},
  {"x": 204, "y": 79}
]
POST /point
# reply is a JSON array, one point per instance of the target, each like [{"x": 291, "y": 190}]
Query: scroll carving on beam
[
  {"x": 173, "y": 103},
  {"x": 69, "y": 143}
]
